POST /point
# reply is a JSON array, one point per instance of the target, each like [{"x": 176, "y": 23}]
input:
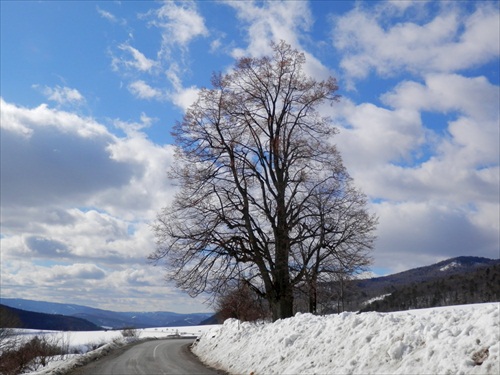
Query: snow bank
[{"x": 449, "y": 340}]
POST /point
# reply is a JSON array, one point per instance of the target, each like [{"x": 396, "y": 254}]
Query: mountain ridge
[
  {"x": 432, "y": 277},
  {"x": 18, "y": 318}
]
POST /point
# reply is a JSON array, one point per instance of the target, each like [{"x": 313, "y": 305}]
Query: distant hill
[
  {"x": 109, "y": 319},
  {"x": 214, "y": 319},
  {"x": 453, "y": 266},
  {"x": 406, "y": 289},
  {"x": 16, "y": 318},
  {"x": 477, "y": 286},
  {"x": 455, "y": 273}
]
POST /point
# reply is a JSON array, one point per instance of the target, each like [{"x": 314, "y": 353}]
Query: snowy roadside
[
  {"x": 450, "y": 340},
  {"x": 65, "y": 365},
  {"x": 107, "y": 341}
]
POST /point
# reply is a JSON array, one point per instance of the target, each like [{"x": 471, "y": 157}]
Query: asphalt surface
[{"x": 169, "y": 356}]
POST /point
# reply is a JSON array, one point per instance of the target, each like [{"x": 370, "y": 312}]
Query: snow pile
[{"x": 448, "y": 340}]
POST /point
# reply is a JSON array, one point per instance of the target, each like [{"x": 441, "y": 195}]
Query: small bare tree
[
  {"x": 257, "y": 170},
  {"x": 8, "y": 322},
  {"x": 241, "y": 302}
]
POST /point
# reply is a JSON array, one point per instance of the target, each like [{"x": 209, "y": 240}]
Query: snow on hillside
[
  {"x": 449, "y": 266},
  {"x": 448, "y": 340}
]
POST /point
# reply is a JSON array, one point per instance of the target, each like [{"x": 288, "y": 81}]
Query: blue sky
[{"x": 90, "y": 91}]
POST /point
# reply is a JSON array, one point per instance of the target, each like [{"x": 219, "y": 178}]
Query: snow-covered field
[{"x": 448, "y": 340}]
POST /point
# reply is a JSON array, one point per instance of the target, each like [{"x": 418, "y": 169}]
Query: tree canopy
[{"x": 264, "y": 196}]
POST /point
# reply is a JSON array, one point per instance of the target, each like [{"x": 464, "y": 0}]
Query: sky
[{"x": 90, "y": 91}]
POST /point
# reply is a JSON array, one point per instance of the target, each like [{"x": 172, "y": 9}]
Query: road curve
[{"x": 170, "y": 356}]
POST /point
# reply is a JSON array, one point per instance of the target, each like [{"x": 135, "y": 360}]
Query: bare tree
[
  {"x": 334, "y": 236},
  {"x": 257, "y": 169}
]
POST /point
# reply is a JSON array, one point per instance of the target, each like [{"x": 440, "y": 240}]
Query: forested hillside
[
  {"x": 481, "y": 285},
  {"x": 17, "y": 318},
  {"x": 460, "y": 280}
]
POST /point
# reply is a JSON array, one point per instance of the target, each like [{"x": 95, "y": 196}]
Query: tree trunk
[
  {"x": 282, "y": 307},
  {"x": 313, "y": 295}
]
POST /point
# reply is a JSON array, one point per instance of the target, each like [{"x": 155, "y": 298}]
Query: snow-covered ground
[
  {"x": 445, "y": 340},
  {"x": 448, "y": 340},
  {"x": 94, "y": 344},
  {"x": 83, "y": 341}
]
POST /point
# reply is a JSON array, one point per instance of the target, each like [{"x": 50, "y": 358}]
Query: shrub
[
  {"x": 29, "y": 356},
  {"x": 242, "y": 303},
  {"x": 129, "y": 332}
]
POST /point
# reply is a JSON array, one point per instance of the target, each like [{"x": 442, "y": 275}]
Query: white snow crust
[{"x": 447, "y": 340}]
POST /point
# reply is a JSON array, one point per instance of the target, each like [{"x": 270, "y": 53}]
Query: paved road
[{"x": 171, "y": 356}]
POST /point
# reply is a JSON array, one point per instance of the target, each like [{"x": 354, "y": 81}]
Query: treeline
[
  {"x": 468, "y": 280},
  {"x": 482, "y": 285}
]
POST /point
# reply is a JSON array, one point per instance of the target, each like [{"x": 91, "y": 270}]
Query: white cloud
[
  {"x": 449, "y": 42},
  {"x": 69, "y": 162},
  {"x": 139, "y": 60},
  {"x": 181, "y": 22},
  {"x": 61, "y": 95},
  {"x": 473, "y": 131},
  {"x": 439, "y": 188},
  {"x": 215, "y": 45},
  {"x": 271, "y": 22},
  {"x": 125, "y": 287},
  {"x": 143, "y": 91},
  {"x": 185, "y": 97},
  {"x": 106, "y": 15},
  {"x": 429, "y": 231},
  {"x": 474, "y": 96},
  {"x": 372, "y": 136}
]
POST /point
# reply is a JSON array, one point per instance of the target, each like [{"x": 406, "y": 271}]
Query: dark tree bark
[{"x": 255, "y": 164}]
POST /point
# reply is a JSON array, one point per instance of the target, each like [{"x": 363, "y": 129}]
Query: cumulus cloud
[
  {"x": 75, "y": 271},
  {"x": 180, "y": 23},
  {"x": 374, "y": 135},
  {"x": 438, "y": 189},
  {"x": 65, "y": 157},
  {"x": 449, "y": 42},
  {"x": 74, "y": 196},
  {"x": 427, "y": 151}
]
